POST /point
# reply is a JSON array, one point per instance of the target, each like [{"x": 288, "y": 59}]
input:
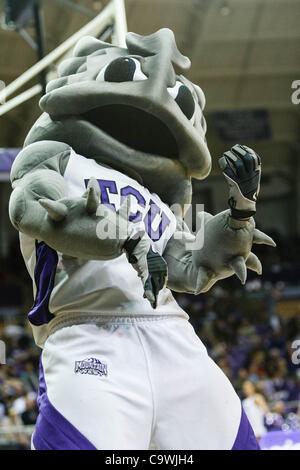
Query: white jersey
[{"x": 90, "y": 288}]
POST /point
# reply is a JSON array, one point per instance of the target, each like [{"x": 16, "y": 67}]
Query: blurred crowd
[
  {"x": 18, "y": 382},
  {"x": 240, "y": 327},
  {"x": 255, "y": 354}
]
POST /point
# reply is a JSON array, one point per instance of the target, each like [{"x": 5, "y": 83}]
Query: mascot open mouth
[{"x": 135, "y": 128}]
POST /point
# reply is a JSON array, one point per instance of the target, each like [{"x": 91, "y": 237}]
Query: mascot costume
[{"x": 120, "y": 138}]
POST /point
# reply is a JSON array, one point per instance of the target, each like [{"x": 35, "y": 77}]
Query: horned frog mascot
[{"x": 120, "y": 138}]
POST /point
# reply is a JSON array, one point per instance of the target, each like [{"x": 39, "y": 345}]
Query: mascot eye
[
  {"x": 123, "y": 69},
  {"x": 184, "y": 99}
]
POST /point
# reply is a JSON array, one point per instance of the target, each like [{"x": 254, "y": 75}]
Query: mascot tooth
[{"x": 121, "y": 136}]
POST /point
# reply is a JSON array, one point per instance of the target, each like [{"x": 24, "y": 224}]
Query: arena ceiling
[{"x": 245, "y": 55}]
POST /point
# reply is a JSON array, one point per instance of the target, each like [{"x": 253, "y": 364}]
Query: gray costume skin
[{"x": 138, "y": 128}]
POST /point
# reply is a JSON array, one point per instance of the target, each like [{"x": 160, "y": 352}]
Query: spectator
[
  {"x": 255, "y": 407},
  {"x": 30, "y": 414}
]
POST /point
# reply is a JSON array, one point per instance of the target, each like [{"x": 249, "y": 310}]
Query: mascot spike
[
  {"x": 239, "y": 267},
  {"x": 92, "y": 201},
  {"x": 161, "y": 41},
  {"x": 261, "y": 238},
  {"x": 56, "y": 210},
  {"x": 254, "y": 263},
  {"x": 93, "y": 183}
]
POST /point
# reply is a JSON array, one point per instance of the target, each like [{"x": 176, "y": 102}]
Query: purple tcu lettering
[
  {"x": 108, "y": 187},
  {"x": 129, "y": 191},
  {"x": 153, "y": 211}
]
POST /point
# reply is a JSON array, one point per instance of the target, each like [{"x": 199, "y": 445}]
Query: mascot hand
[
  {"x": 227, "y": 250},
  {"x": 150, "y": 266},
  {"x": 241, "y": 167}
]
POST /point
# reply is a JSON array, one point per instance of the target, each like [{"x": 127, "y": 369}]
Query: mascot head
[{"x": 129, "y": 109}]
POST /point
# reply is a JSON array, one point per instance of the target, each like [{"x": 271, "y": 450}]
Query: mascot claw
[
  {"x": 262, "y": 238},
  {"x": 232, "y": 251},
  {"x": 239, "y": 267},
  {"x": 253, "y": 263}
]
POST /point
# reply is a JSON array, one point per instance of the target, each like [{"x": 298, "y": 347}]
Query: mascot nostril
[{"x": 119, "y": 140}]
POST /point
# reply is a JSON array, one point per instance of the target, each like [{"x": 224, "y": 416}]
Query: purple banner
[
  {"x": 7, "y": 157},
  {"x": 280, "y": 440}
]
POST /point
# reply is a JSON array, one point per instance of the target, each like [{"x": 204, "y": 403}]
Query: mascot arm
[
  {"x": 80, "y": 227},
  {"x": 222, "y": 246}
]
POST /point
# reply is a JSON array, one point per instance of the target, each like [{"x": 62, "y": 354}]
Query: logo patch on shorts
[{"x": 91, "y": 366}]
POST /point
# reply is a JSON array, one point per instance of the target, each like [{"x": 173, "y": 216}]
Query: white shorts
[{"x": 132, "y": 383}]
